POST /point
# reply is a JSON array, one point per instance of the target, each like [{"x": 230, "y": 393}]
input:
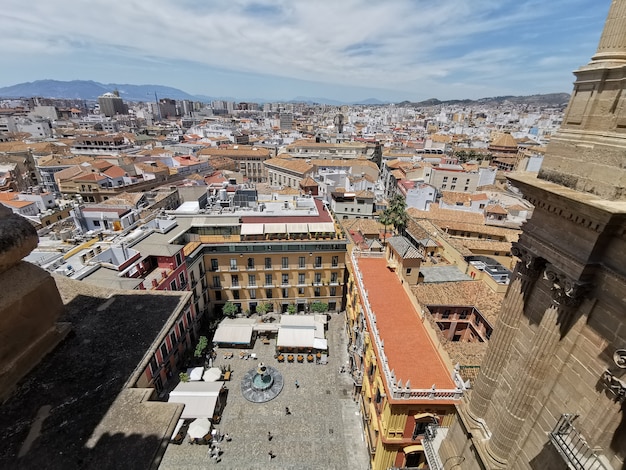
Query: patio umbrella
[
  {"x": 212, "y": 375},
  {"x": 199, "y": 428},
  {"x": 195, "y": 373}
]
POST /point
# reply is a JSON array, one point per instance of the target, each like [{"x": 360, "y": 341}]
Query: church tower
[{"x": 551, "y": 392}]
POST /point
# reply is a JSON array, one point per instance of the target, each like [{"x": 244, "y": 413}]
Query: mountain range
[{"x": 90, "y": 90}]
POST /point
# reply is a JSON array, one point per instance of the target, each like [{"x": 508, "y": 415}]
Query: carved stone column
[
  {"x": 566, "y": 296},
  {"x": 527, "y": 271},
  {"x": 612, "y": 45}
]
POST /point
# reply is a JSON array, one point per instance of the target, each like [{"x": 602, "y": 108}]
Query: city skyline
[{"x": 280, "y": 50}]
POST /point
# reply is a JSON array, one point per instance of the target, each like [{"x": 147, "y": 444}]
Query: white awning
[
  {"x": 199, "y": 398},
  {"x": 212, "y": 375},
  {"x": 295, "y": 337},
  {"x": 233, "y": 334},
  {"x": 322, "y": 227},
  {"x": 320, "y": 343},
  {"x": 275, "y": 228},
  {"x": 252, "y": 229},
  {"x": 297, "y": 228},
  {"x": 195, "y": 373}
]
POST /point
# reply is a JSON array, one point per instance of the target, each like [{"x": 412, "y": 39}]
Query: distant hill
[
  {"x": 549, "y": 99},
  {"x": 90, "y": 90}
]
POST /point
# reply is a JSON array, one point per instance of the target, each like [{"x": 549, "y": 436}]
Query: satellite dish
[{"x": 619, "y": 357}]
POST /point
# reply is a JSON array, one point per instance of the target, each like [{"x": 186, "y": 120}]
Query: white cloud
[{"x": 350, "y": 42}]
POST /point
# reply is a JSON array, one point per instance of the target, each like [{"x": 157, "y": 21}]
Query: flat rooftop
[
  {"x": 410, "y": 351},
  {"x": 443, "y": 274},
  {"x": 88, "y": 416}
]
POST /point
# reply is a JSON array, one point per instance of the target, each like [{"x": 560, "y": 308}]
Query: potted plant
[
  {"x": 184, "y": 377},
  {"x": 292, "y": 309}
]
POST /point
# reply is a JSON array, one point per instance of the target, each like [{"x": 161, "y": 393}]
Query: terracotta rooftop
[
  {"x": 410, "y": 351},
  {"x": 296, "y": 165}
]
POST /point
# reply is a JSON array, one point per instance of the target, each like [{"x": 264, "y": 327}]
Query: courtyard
[{"x": 323, "y": 430}]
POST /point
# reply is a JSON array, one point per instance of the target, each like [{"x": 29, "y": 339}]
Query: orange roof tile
[{"x": 410, "y": 351}]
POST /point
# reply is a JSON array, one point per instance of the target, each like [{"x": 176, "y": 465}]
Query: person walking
[
  {"x": 269, "y": 436},
  {"x": 297, "y": 384},
  {"x": 271, "y": 454},
  {"x": 287, "y": 411}
]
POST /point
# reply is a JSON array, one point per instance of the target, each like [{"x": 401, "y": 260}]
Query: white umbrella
[
  {"x": 199, "y": 428},
  {"x": 195, "y": 373},
  {"x": 212, "y": 375}
]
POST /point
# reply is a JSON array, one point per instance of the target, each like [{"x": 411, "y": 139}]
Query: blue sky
[{"x": 281, "y": 49}]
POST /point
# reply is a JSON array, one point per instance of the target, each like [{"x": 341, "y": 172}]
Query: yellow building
[{"x": 406, "y": 389}]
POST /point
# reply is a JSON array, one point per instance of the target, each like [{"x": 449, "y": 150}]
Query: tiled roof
[
  {"x": 410, "y": 351},
  {"x": 295, "y": 165},
  {"x": 115, "y": 172},
  {"x": 404, "y": 248},
  {"x": 495, "y": 209}
]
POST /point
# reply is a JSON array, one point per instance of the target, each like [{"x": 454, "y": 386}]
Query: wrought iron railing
[{"x": 574, "y": 448}]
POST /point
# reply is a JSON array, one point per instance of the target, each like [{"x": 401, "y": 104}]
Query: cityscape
[{"x": 352, "y": 277}]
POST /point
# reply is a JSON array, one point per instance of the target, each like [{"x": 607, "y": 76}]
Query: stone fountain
[{"x": 261, "y": 384}]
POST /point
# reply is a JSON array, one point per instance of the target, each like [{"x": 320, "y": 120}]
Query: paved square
[{"x": 323, "y": 431}]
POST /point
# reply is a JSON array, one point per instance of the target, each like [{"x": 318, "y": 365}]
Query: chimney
[
  {"x": 155, "y": 283},
  {"x": 142, "y": 287},
  {"x": 163, "y": 274}
]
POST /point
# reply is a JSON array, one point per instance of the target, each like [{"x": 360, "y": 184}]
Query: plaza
[{"x": 324, "y": 428}]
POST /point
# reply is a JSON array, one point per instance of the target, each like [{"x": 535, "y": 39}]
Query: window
[
  {"x": 333, "y": 291},
  {"x": 268, "y": 293},
  {"x": 379, "y": 397},
  {"x": 333, "y": 278},
  {"x": 179, "y": 259},
  {"x": 318, "y": 278},
  {"x": 164, "y": 351},
  {"x": 234, "y": 280},
  {"x": 332, "y": 306},
  {"x": 463, "y": 315},
  {"x": 173, "y": 285},
  {"x": 214, "y": 265},
  {"x": 335, "y": 261},
  {"x": 252, "y": 280},
  {"x": 183, "y": 281},
  {"x": 443, "y": 186},
  {"x": 301, "y": 262},
  {"x": 445, "y": 179},
  {"x": 253, "y": 294},
  {"x": 317, "y": 292},
  {"x": 301, "y": 278},
  {"x": 300, "y": 290},
  {"x": 453, "y": 187},
  {"x": 420, "y": 428},
  {"x": 285, "y": 292},
  {"x": 445, "y": 314},
  {"x": 173, "y": 339},
  {"x": 268, "y": 279},
  {"x": 216, "y": 282},
  {"x": 268, "y": 263},
  {"x": 96, "y": 223},
  {"x": 285, "y": 262},
  {"x": 318, "y": 261},
  {"x": 250, "y": 263},
  {"x": 233, "y": 263},
  {"x": 285, "y": 279},
  {"x": 408, "y": 271},
  {"x": 454, "y": 179},
  {"x": 236, "y": 294}
]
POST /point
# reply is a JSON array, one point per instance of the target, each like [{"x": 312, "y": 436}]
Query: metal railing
[{"x": 573, "y": 447}]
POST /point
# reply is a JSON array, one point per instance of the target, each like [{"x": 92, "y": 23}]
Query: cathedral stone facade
[{"x": 551, "y": 392}]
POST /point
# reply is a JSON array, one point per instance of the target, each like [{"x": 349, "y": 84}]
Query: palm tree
[
  {"x": 397, "y": 208},
  {"x": 386, "y": 218}
]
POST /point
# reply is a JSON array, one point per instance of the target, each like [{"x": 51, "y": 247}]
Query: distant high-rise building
[
  {"x": 551, "y": 392},
  {"x": 111, "y": 104},
  {"x": 286, "y": 121}
]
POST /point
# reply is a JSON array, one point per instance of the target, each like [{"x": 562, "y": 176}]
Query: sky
[{"x": 347, "y": 50}]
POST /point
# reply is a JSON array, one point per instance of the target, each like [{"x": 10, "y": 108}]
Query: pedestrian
[
  {"x": 271, "y": 454},
  {"x": 227, "y": 437},
  {"x": 269, "y": 436},
  {"x": 297, "y": 384},
  {"x": 287, "y": 412}
]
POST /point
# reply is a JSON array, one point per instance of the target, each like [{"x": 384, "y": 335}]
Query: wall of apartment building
[
  {"x": 311, "y": 276},
  {"x": 460, "y": 181}
]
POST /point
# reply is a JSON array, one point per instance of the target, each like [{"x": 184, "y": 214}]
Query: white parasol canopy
[
  {"x": 195, "y": 373},
  {"x": 199, "y": 428},
  {"x": 212, "y": 375}
]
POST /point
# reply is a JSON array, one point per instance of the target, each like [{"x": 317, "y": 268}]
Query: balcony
[{"x": 574, "y": 448}]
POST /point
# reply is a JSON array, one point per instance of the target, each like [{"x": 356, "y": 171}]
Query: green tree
[
  {"x": 263, "y": 308},
  {"x": 292, "y": 309},
  {"x": 229, "y": 309},
  {"x": 395, "y": 214},
  {"x": 319, "y": 307},
  {"x": 184, "y": 377},
  {"x": 386, "y": 219},
  {"x": 203, "y": 342}
]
